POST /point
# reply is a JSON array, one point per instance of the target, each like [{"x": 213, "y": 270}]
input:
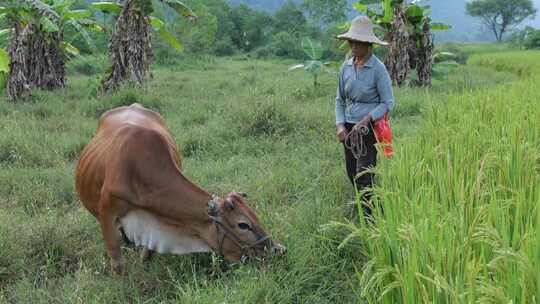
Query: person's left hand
[{"x": 363, "y": 122}]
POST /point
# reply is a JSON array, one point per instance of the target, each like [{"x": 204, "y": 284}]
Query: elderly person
[{"x": 364, "y": 95}]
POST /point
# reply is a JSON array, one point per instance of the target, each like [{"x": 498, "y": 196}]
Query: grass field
[{"x": 460, "y": 199}]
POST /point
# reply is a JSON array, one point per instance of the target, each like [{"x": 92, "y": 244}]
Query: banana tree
[
  {"x": 379, "y": 11},
  {"x": 421, "y": 41},
  {"x": 407, "y": 27},
  {"x": 37, "y": 50},
  {"x": 130, "y": 47},
  {"x": 313, "y": 65},
  {"x": 390, "y": 16}
]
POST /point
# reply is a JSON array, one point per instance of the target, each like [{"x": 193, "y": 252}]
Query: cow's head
[{"x": 239, "y": 232}]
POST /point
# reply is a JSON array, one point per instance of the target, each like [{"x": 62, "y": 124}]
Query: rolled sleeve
[
  {"x": 340, "y": 101},
  {"x": 386, "y": 95}
]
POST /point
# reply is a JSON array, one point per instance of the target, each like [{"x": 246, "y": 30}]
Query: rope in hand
[{"x": 355, "y": 141}]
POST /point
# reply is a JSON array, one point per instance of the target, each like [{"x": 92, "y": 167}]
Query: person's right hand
[{"x": 341, "y": 133}]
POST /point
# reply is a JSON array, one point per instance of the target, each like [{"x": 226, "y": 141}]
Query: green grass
[
  {"x": 522, "y": 63},
  {"x": 252, "y": 126},
  {"x": 479, "y": 48}
]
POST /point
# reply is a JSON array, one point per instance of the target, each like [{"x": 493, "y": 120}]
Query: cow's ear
[
  {"x": 213, "y": 208},
  {"x": 229, "y": 203}
]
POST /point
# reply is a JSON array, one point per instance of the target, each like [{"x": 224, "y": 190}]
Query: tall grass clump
[{"x": 461, "y": 202}]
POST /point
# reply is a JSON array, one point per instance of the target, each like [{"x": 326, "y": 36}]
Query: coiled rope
[{"x": 355, "y": 143}]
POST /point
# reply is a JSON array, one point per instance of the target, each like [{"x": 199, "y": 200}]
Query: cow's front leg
[
  {"x": 109, "y": 229},
  {"x": 146, "y": 255}
]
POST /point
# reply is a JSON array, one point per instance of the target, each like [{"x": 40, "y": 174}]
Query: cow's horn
[{"x": 229, "y": 203}]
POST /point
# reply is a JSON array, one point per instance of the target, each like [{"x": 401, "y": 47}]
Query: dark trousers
[{"x": 363, "y": 181}]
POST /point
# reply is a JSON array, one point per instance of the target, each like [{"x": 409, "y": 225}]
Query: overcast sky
[{"x": 536, "y": 21}]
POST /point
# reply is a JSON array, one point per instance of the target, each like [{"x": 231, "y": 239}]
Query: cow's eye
[{"x": 244, "y": 226}]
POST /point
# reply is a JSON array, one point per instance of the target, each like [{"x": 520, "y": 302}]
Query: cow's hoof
[{"x": 117, "y": 267}]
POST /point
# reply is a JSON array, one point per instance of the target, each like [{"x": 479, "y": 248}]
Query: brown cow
[{"x": 129, "y": 177}]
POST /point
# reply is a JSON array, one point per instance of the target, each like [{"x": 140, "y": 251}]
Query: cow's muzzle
[
  {"x": 272, "y": 248},
  {"x": 264, "y": 250},
  {"x": 278, "y": 249}
]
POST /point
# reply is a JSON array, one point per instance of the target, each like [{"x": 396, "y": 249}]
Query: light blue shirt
[{"x": 362, "y": 92}]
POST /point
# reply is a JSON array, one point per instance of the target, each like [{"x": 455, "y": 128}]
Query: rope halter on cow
[{"x": 223, "y": 232}]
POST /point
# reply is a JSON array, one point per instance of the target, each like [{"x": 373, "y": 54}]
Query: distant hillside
[{"x": 451, "y": 12}]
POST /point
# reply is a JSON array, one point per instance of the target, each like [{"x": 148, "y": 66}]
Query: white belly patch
[{"x": 145, "y": 229}]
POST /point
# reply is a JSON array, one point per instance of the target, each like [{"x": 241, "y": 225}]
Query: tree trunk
[
  {"x": 424, "y": 66},
  {"x": 130, "y": 49},
  {"x": 48, "y": 60},
  {"x": 413, "y": 51},
  {"x": 397, "y": 61},
  {"x": 36, "y": 62},
  {"x": 18, "y": 85}
]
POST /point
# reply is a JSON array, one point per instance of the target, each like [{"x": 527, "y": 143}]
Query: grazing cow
[{"x": 129, "y": 177}]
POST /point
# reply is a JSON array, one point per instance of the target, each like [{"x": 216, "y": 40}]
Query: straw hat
[{"x": 361, "y": 30}]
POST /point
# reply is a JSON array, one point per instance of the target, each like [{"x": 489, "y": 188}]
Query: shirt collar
[{"x": 369, "y": 62}]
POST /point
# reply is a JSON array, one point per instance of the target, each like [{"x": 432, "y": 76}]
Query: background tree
[
  {"x": 290, "y": 18},
  {"x": 398, "y": 60},
  {"x": 326, "y": 11},
  {"x": 391, "y": 16},
  {"x": 500, "y": 16},
  {"x": 130, "y": 46},
  {"x": 251, "y": 28},
  {"x": 290, "y": 26},
  {"x": 528, "y": 38},
  {"x": 407, "y": 27},
  {"x": 421, "y": 45},
  {"x": 202, "y": 37},
  {"x": 197, "y": 39},
  {"x": 37, "y": 48}
]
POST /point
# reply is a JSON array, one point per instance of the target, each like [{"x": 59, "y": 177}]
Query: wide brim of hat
[{"x": 362, "y": 38}]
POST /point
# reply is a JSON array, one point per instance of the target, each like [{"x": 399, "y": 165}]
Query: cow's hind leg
[
  {"x": 124, "y": 237},
  {"x": 108, "y": 215}
]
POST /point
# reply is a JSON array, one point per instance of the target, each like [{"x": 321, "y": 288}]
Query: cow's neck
[
  {"x": 197, "y": 198},
  {"x": 185, "y": 203},
  {"x": 179, "y": 199}
]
